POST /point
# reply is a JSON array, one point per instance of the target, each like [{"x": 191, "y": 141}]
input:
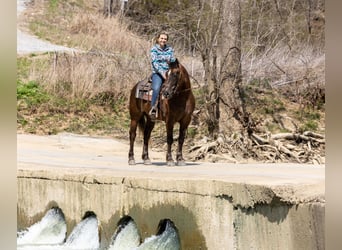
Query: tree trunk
[
  {"x": 111, "y": 7},
  {"x": 231, "y": 91},
  {"x": 211, "y": 97}
]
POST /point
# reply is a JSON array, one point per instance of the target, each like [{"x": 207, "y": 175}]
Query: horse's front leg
[
  {"x": 169, "y": 130},
  {"x": 147, "y": 134},
  {"x": 179, "y": 157}
]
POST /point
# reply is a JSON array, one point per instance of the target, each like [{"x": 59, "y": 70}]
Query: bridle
[{"x": 172, "y": 89}]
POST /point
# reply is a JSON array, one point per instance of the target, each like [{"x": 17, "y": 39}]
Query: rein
[{"x": 183, "y": 90}]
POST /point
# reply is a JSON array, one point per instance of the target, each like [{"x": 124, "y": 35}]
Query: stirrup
[{"x": 153, "y": 111}]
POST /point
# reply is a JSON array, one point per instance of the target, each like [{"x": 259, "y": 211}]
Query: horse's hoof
[
  {"x": 147, "y": 162},
  {"x": 131, "y": 162},
  {"x": 170, "y": 163},
  {"x": 181, "y": 163}
]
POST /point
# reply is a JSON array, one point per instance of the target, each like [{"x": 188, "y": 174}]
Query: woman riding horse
[
  {"x": 161, "y": 54},
  {"x": 177, "y": 105}
]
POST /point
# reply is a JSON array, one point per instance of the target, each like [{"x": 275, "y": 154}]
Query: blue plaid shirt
[{"x": 159, "y": 58}]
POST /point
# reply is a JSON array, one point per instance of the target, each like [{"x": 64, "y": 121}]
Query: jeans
[{"x": 157, "y": 81}]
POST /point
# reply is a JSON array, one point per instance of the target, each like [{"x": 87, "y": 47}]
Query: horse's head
[{"x": 173, "y": 77}]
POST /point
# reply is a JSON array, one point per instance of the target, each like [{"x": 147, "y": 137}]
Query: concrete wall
[{"x": 208, "y": 214}]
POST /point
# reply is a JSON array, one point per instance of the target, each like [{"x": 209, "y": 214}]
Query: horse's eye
[{"x": 173, "y": 76}]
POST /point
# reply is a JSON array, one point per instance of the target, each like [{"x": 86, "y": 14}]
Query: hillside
[{"x": 86, "y": 92}]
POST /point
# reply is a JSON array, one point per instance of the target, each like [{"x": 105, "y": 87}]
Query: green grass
[
  {"x": 53, "y": 4},
  {"x": 31, "y": 93},
  {"x": 42, "y": 112},
  {"x": 309, "y": 126},
  {"x": 23, "y": 67},
  {"x": 309, "y": 118},
  {"x": 191, "y": 132}
]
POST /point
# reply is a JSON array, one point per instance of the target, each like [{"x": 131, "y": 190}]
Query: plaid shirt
[{"x": 160, "y": 57}]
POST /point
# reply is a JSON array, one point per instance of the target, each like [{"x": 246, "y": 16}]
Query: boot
[{"x": 153, "y": 113}]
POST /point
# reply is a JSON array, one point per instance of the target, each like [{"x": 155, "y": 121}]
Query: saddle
[{"x": 144, "y": 90}]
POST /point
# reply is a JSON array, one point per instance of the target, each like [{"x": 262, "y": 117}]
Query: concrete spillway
[{"x": 214, "y": 206}]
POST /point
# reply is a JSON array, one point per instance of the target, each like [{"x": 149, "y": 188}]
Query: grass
[
  {"x": 53, "y": 5},
  {"x": 41, "y": 111},
  {"x": 31, "y": 94},
  {"x": 76, "y": 117},
  {"x": 57, "y": 100},
  {"x": 309, "y": 126}
]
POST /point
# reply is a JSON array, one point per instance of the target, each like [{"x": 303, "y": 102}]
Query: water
[
  {"x": 86, "y": 234},
  {"x": 50, "y": 234},
  {"x": 51, "y": 229},
  {"x": 126, "y": 235},
  {"x": 166, "y": 238}
]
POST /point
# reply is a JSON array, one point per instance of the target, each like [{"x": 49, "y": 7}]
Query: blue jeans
[{"x": 157, "y": 81}]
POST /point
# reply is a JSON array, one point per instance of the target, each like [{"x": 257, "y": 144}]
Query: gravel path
[{"x": 27, "y": 43}]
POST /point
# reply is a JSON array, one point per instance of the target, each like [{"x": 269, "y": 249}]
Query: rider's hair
[{"x": 156, "y": 38}]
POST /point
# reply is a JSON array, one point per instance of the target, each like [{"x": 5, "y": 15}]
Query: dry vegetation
[{"x": 86, "y": 92}]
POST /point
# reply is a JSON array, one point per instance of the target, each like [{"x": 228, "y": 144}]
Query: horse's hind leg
[
  {"x": 132, "y": 135},
  {"x": 147, "y": 134}
]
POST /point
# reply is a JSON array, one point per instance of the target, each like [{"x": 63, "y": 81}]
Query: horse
[{"x": 176, "y": 104}]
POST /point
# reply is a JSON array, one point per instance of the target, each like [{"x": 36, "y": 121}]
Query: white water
[
  {"x": 85, "y": 235},
  {"x": 126, "y": 236},
  {"x": 168, "y": 240},
  {"x": 51, "y": 229},
  {"x": 50, "y": 234}
]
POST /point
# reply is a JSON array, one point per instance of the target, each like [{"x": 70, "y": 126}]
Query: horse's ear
[{"x": 174, "y": 64}]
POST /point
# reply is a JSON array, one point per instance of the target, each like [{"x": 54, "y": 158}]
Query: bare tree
[
  {"x": 218, "y": 39},
  {"x": 230, "y": 76},
  {"x": 112, "y": 7}
]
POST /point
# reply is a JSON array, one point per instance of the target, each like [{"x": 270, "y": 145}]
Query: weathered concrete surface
[{"x": 214, "y": 206}]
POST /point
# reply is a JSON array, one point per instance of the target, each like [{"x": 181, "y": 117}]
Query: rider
[{"x": 161, "y": 54}]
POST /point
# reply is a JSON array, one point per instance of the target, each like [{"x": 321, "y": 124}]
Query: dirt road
[
  {"x": 27, "y": 43},
  {"x": 294, "y": 182}
]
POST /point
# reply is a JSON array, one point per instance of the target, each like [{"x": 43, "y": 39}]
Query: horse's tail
[{"x": 141, "y": 124}]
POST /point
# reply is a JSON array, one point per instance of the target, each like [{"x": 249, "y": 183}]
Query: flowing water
[
  {"x": 166, "y": 238},
  {"x": 50, "y": 234},
  {"x": 126, "y": 235},
  {"x": 51, "y": 229}
]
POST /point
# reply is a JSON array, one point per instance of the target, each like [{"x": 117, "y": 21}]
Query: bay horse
[{"x": 177, "y": 105}]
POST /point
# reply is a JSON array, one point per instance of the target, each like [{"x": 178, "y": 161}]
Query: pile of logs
[{"x": 307, "y": 147}]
